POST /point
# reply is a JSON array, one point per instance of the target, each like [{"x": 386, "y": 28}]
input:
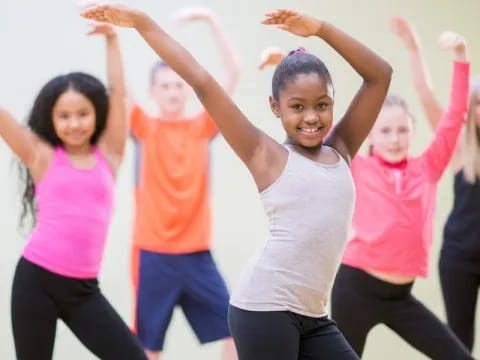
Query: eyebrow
[{"x": 319, "y": 98}]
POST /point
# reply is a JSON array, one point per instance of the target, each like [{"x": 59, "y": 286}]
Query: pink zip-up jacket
[{"x": 392, "y": 222}]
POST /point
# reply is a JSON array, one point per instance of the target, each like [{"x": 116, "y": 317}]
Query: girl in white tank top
[{"x": 278, "y": 309}]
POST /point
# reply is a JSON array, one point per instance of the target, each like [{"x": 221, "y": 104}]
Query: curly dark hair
[
  {"x": 297, "y": 62},
  {"x": 41, "y": 123}
]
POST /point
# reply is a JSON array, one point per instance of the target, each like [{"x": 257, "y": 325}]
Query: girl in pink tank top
[{"x": 71, "y": 151}]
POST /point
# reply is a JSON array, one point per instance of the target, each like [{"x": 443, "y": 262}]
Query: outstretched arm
[
  {"x": 355, "y": 125},
  {"x": 227, "y": 53},
  {"x": 419, "y": 69},
  {"x": 112, "y": 142},
  {"x": 24, "y": 143},
  {"x": 440, "y": 151},
  {"x": 251, "y": 145}
]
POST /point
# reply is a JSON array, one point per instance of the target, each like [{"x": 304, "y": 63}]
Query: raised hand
[
  {"x": 406, "y": 33},
  {"x": 294, "y": 22},
  {"x": 271, "y": 56},
  {"x": 190, "y": 14},
  {"x": 105, "y": 29},
  {"x": 450, "y": 40},
  {"x": 115, "y": 14}
]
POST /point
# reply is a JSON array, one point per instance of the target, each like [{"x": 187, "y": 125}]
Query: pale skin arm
[
  {"x": 454, "y": 42},
  {"x": 355, "y": 125},
  {"x": 230, "y": 61},
  {"x": 420, "y": 74},
  {"x": 271, "y": 56},
  {"x": 23, "y": 142},
  {"x": 113, "y": 140}
]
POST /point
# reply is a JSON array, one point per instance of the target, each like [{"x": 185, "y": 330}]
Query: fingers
[
  {"x": 96, "y": 28},
  {"x": 86, "y": 4},
  {"x": 97, "y": 13},
  {"x": 449, "y": 40},
  {"x": 278, "y": 16}
]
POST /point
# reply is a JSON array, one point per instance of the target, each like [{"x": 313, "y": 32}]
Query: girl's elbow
[{"x": 387, "y": 71}]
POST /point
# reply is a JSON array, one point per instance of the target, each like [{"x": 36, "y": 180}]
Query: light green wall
[{"x": 39, "y": 39}]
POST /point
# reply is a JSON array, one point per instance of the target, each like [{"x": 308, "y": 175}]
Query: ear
[{"x": 275, "y": 106}]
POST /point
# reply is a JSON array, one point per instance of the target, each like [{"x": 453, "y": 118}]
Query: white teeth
[{"x": 310, "y": 130}]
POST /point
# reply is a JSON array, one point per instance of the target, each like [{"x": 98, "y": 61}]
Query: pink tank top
[{"x": 74, "y": 210}]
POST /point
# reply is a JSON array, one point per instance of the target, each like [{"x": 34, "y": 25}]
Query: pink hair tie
[{"x": 300, "y": 51}]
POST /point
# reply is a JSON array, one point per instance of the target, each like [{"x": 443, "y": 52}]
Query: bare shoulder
[
  {"x": 41, "y": 160},
  {"x": 338, "y": 144},
  {"x": 113, "y": 158},
  {"x": 268, "y": 163}
]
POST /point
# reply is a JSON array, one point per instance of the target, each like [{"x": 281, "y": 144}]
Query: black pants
[
  {"x": 40, "y": 297},
  {"x": 460, "y": 279},
  {"x": 361, "y": 301},
  {"x": 283, "y": 335}
]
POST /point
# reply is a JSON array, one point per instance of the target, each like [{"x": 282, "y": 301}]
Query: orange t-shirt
[{"x": 172, "y": 198}]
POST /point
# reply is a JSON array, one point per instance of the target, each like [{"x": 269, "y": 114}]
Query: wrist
[
  {"x": 212, "y": 20},
  {"x": 111, "y": 36},
  {"x": 413, "y": 48},
  {"x": 322, "y": 27},
  {"x": 141, "y": 20},
  {"x": 461, "y": 53}
]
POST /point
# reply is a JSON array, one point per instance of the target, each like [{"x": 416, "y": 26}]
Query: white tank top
[{"x": 309, "y": 208}]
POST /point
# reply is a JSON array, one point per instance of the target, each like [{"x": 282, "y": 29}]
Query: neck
[
  {"x": 171, "y": 115},
  {"x": 78, "y": 150},
  {"x": 394, "y": 165},
  {"x": 310, "y": 150}
]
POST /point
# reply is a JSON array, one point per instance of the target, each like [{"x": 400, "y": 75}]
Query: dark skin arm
[
  {"x": 355, "y": 125},
  {"x": 263, "y": 156}
]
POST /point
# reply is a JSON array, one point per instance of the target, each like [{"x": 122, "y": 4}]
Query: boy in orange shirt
[{"x": 172, "y": 264}]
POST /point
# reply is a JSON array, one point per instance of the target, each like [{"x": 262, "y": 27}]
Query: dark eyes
[
  {"x": 320, "y": 106},
  {"x": 65, "y": 115}
]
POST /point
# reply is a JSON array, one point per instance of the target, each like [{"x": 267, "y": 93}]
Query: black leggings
[
  {"x": 283, "y": 335},
  {"x": 40, "y": 297},
  {"x": 361, "y": 301},
  {"x": 460, "y": 279}
]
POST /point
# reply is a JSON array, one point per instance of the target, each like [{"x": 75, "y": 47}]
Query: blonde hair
[
  {"x": 392, "y": 100},
  {"x": 471, "y": 137}
]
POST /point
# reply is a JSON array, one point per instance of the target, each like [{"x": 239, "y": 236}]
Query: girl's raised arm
[
  {"x": 250, "y": 144},
  {"x": 419, "y": 69},
  {"x": 225, "y": 47},
  {"x": 23, "y": 142},
  {"x": 355, "y": 125},
  {"x": 113, "y": 140}
]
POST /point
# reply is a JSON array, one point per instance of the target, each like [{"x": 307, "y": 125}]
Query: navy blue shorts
[{"x": 191, "y": 281}]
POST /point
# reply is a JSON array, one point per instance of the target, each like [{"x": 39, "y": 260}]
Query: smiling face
[
  {"x": 392, "y": 133},
  {"x": 305, "y": 105},
  {"x": 74, "y": 119}
]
